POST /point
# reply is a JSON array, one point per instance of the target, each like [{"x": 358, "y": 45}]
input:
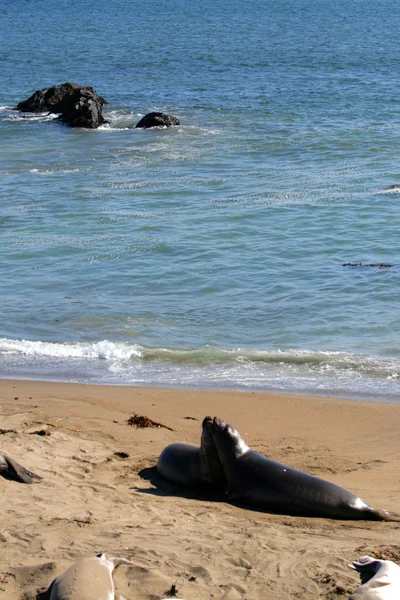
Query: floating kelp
[{"x": 376, "y": 265}]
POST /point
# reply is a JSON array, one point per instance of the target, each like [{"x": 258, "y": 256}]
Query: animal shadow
[
  {"x": 162, "y": 487},
  {"x": 43, "y": 594}
]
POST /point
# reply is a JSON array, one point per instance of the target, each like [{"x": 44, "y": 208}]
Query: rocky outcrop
[
  {"x": 85, "y": 110},
  {"x": 79, "y": 106},
  {"x": 157, "y": 119}
]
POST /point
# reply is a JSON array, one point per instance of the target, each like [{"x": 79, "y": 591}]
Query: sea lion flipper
[
  {"x": 20, "y": 473},
  {"x": 115, "y": 561},
  {"x": 386, "y": 515}
]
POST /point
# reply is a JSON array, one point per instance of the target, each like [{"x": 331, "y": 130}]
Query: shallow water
[{"x": 210, "y": 254}]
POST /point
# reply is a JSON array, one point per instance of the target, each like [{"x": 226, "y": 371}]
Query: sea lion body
[
  {"x": 255, "y": 480},
  {"x": 191, "y": 466},
  {"x": 380, "y": 579},
  {"x": 87, "y": 579},
  {"x": 180, "y": 463}
]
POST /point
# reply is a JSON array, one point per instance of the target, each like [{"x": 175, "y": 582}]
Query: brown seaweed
[
  {"x": 172, "y": 592},
  {"x": 141, "y": 421},
  {"x": 376, "y": 265}
]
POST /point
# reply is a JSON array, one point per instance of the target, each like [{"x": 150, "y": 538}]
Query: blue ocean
[{"x": 211, "y": 254}]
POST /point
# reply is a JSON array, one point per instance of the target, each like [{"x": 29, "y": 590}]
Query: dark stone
[
  {"x": 80, "y": 106},
  {"x": 84, "y": 110},
  {"x": 157, "y": 119},
  {"x": 56, "y": 99}
]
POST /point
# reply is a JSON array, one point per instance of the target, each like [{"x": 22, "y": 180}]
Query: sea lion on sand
[
  {"x": 256, "y": 480},
  {"x": 380, "y": 579},
  {"x": 191, "y": 466},
  {"x": 87, "y": 579},
  {"x": 12, "y": 470}
]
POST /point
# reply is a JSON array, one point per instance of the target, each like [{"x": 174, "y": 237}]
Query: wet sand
[{"x": 101, "y": 493}]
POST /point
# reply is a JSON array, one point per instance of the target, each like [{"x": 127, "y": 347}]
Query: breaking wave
[{"x": 292, "y": 371}]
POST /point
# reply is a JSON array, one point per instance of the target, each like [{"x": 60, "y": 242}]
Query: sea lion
[
  {"x": 87, "y": 579},
  {"x": 254, "y": 479},
  {"x": 12, "y": 470},
  {"x": 191, "y": 466},
  {"x": 380, "y": 579}
]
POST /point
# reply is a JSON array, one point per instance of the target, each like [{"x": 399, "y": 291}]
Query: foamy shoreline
[
  {"x": 92, "y": 499},
  {"x": 340, "y": 374}
]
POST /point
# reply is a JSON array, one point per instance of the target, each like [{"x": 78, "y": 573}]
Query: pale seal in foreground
[
  {"x": 87, "y": 579},
  {"x": 192, "y": 466},
  {"x": 266, "y": 484},
  {"x": 12, "y": 470},
  {"x": 380, "y": 579}
]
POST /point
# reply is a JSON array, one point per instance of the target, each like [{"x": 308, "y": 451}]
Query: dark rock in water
[
  {"x": 157, "y": 119},
  {"x": 80, "y": 106},
  {"x": 56, "y": 99},
  {"x": 85, "y": 110}
]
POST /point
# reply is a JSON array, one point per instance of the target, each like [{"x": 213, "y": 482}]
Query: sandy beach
[{"x": 100, "y": 492}]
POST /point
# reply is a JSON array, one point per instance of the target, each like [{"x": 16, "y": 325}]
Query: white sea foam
[
  {"x": 209, "y": 367},
  {"x": 100, "y": 350},
  {"x": 16, "y": 115},
  {"x": 118, "y": 120},
  {"x": 53, "y": 171},
  {"x": 395, "y": 189}
]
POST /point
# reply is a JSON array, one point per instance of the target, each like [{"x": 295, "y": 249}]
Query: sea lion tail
[
  {"x": 386, "y": 515},
  {"x": 20, "y": 473}
]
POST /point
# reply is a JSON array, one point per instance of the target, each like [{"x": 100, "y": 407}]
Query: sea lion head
[
  {"x": 382, "y": 572},
  {"x": 206, "y": 436},
  {"x": 230, "y": 444},
  {"x": 210, "y": 465},
  {"x": 367, "y": 567}
]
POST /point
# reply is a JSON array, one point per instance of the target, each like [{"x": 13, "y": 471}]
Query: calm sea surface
[{"x": 210, "y": 254}]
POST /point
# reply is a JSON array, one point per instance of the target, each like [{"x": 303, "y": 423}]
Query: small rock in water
[{"x": 157, "y": 119}]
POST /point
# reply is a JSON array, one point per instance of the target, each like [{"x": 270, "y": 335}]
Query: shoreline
[
  {"x": 362, "y": 397},
  {"x": 94, "y": 498},
  {"x": 332, "y": 373}
]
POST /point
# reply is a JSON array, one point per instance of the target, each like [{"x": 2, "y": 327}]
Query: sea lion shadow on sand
[
  {"x": 43, "y": 594},
  {"x": 162, "y": 487}
]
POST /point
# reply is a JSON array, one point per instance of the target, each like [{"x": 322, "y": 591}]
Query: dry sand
[{"x": 93, "y": 499}]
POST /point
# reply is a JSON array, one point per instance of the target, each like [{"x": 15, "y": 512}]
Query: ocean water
[{"x": 210, "y": 254}]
